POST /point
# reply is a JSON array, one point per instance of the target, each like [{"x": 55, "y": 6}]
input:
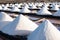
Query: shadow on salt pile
[
  {"x": 58, "y": 28},
  {"x": 3, "y": 23},
  {"x": 13, "y": 37}
]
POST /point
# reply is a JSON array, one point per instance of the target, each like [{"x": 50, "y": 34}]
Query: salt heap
[
  {"x": 16, "y": 4},
  {"x": 20, "y": 5},
  {"x": 39, "y": 5},
  {"x": 26, "y": 5},
  {"x": 1, "y": 7},
  {"x": 57, "y": 13},
  {"x": 20, "y": 26},
  {"x": 55, "y": 7},
  {"x": 45, "y": 31},
  {"x": 11, "y": 5},
  {"x": 4, "y": 19},
  {"x": 44, "y": 11},
  {"x": 51, "y": 5},
  {"x": 7, "y": 5},
  {"x": 5, "y": 8},
  {"x": 25, "y": 10},
  {"x": 15, "y": 9},
  {"x": 33, "y": 7},
  {"x": 46, "y": 6}
]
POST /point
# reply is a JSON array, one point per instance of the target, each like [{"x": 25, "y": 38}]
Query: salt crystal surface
[{"x": 45, "y": 31}]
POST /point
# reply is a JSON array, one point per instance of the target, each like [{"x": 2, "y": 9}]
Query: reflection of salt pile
[
  {"x": 20, "y": 26},
  {"x": 4, "y": 19},
  {"x": 45, "y": 31},
  {"x": 57, "y": 13},
  {"x": 44, "y": 11}
]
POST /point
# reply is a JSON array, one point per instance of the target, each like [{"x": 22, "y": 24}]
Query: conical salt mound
[
  {"x": 55, "y": 7},
  {"x": 25, "y": 10},
  {"x": 52, "y": 5},
  {"x": 6, "y": 8},
  {"x": 20, "y": 26},
  {"x": 26, "y": 5},
  {"x": 46, "y": 6},
  {"x": 5, "y": 17},
  {"x": 44, "y": 11},
  {"x": 57, "y": 13},
  {"x": 1, "y": 7},
  {"x": 15, "y": 9},
  {"x": 33, "y": 7},
  {"x": 45, "y": 31}
]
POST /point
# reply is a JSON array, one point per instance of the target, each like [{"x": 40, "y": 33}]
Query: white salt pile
[
  {"x": 57, "y": 13},
  {"x": 45, "y": 31},
  {"x": 44, "y": 11},
  {"x": 20, "y": 26},
  {"x": 4, "y": 19}
]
